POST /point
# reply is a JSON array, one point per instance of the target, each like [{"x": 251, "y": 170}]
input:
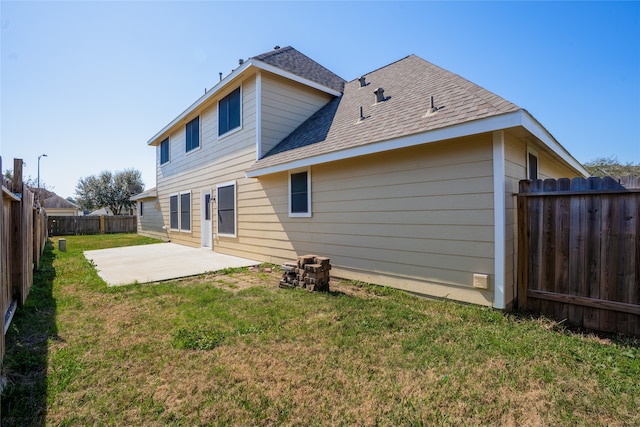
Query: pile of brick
[{"x": 310, "y": 272}]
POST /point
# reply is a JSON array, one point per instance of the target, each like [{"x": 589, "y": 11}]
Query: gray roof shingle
[
  {"x": 57, "y": 202},
  {"x": 408, "y": 86},
  {"x": 289, "y": 59}
]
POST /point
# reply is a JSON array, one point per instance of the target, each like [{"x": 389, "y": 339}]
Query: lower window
[
  {"x": 180, "y": 211},
  {"x": 300, "y": 193},
  {"x": 226, "y": 202}
]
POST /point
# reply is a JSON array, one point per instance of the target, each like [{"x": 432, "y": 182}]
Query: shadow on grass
[{"x": 24, "y": 398}]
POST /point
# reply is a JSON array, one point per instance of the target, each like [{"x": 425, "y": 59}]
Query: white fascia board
[
  {"x": 241, "y": 69},
  {"x": 465, "y": 129},
  {"x": 533, "y": 126},
  {"x": 490, "y": 124}
]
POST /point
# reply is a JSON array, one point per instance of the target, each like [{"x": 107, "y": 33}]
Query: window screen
[{"x": 227, "y": 210}]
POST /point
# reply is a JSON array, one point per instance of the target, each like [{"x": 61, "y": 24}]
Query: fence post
[
  {"x": 102, "y": 226},
  {"x": 17, "y": 254}
]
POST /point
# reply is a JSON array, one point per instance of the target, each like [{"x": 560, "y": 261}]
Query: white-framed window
[
  {"x": 180, "y": 211},
  {"x": 140, "y": 210},
  {"x": 192, "y": 135},
  {"x": 532, "y": 164},
  {"x": 226, "y": 207},
  {"x": 300, "y": 192},
  {"x": 164, "y": 151},
  {"x": 230, "y": 112}
]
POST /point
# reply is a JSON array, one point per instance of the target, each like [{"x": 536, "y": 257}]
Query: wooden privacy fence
[
  {"x": 24, "y": 234},
  {"x": 579, "y": 251},
  {"x": 73, "y": 225}
]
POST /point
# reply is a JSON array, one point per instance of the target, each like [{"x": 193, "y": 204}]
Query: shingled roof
[
  {"x": 289, "y": 59},
  {"x": 408, "y": 87},
  {"x": 57, "y": 202}
]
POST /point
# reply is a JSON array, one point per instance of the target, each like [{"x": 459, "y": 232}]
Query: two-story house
[{"x": 403, "y": 176}]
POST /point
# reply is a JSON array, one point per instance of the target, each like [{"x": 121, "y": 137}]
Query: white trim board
[
  {"x": 499, "y": 222},
  {"x": 490, "y": 124}
]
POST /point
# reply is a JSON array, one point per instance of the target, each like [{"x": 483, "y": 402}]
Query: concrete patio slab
[{"x": 161, "y": 261}]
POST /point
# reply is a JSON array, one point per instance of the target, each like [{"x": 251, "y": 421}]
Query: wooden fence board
[
  {"x": 23, "y": 236},
  {"x": 579, "y": 251},
  {"x": 82, "y": 225}
]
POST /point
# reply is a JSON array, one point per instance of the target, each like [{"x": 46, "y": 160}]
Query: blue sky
[{"x": 88, "y": 83}]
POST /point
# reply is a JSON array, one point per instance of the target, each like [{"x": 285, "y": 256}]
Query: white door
[{"x": 206, "y": 219}]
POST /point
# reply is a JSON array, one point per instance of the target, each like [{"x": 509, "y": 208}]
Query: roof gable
[
  {"x": 289, "y": 59},
  {"x": 408, "y": 87},
  {"x": 57, "y": 202}
]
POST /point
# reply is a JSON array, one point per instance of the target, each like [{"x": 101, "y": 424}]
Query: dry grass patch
[{"x": 234, "y": 349}]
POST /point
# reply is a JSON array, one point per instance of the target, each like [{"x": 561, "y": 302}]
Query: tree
[
  {"x": 109, "y": 190},
  {"x": 611, "y": 166}
]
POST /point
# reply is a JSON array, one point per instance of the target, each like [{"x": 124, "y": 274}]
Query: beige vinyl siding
[
  {"x": 551, "y": 167},
  {"x": 285, "y": 106},
  {"x": 419, "y": 219},
  {"x": 219, "y": 159}
]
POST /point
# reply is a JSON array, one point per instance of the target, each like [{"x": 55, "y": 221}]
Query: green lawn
[{"x": 234, "y": 349}]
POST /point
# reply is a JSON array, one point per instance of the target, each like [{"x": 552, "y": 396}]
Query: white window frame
[
  {"x": 234, "y": 130},
  {"x": 168, "y": 139},
  {"x": 179, "y": 195},
  {"x": 531, "y": 151},
  {"x": 307, "y": 214},
  {"x": 141, "y": 209},
  {"x": 235, "y": 209},
  {"x": 193, "y": 150}
]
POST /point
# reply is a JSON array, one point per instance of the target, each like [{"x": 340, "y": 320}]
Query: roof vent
[
  {"x": 220, "y": 76},
  {"x": 379, "y": 95},
  {"x": 433, "y": 109},
  {"x": 276, "y": 47},
  {"x": 363, "y": 81},
  {"x": 240, "y": 61}
]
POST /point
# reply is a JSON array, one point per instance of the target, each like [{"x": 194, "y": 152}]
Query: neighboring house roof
[
  {"x": 289, "y": 59},
  {"x": 151, "y": 193},
  {"x": 57, "y": 202},
  {"x": 337, "y": 130},
  {"x": 101, "y": 211},
  {"x": 285, "y": 62}
]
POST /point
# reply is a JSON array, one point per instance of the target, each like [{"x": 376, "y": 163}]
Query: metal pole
[{"x": 41, "y": 155}]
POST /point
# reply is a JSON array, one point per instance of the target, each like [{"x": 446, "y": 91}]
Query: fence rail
[
  {"x": 579, "y": 251},
  {"x": 24, "y": 234},
  {"x": 74, "y": 225}
]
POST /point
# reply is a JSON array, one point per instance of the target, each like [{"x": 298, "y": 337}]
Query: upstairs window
[
  {"x": 300, "y": 193},
  {"x": 164, "y": 151},
  {"x": 229, "y": 112},
  {"x": 193, "y": 134}
]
